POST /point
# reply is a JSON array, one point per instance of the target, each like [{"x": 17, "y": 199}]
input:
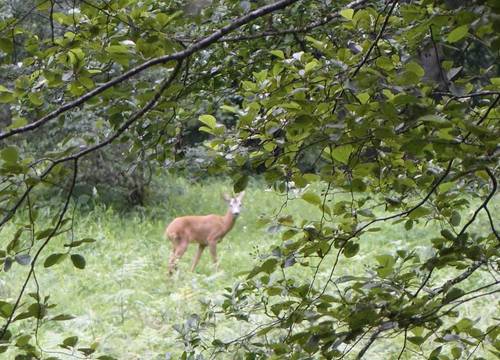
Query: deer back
[{"x": 198, "y": 229}]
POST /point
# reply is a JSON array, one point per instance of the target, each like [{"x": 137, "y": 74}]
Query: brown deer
[{"x": 206, "y": 230}]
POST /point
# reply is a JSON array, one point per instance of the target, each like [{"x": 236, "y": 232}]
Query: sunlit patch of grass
[{"x": 124, "y": 299}]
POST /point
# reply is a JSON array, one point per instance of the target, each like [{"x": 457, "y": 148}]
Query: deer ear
[
  {"x": 241, "y": 194},
  {"x": 226, "y": 197}
]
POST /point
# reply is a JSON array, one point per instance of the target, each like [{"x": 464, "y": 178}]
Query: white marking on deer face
[{"x": 235, "y": 203}]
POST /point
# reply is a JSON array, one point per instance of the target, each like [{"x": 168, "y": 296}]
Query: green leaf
[
  {"x": 342, "y": 153},
  {"x": 434, "y": 354},
  {"x": 385, "y": 63},
  {"x": 311, "y": 65},
  {"x": 358, "y": 185},
  {"x": 434, "y": 118},
  {"x": 10, "y": 154},
  {"x": 417, "y": 340},
  {"x": 446, "y": 186},
  {"x": 23, "y": 340},
  {"x": 312, "y": 198},
  {"x": 415, "y": 68},
  {"x": 291, "y": 105},
  {"x": 408, "y": 225},
  {"x": 386, "y": 260},
  {"x": 70, "y": 341},
  {"x": 230, "y": 109},
  {"x": 207, "y": 130},
  {"x": 464, "y": 324},
  {"x": 5, "y": 309},
  {"x": 208, "y": 120},
  {"x": 117, "y": 49},
  {"x": 35, "y": 99},
  {"x": 351, "y": 249},
  {"x": 363, "y": 97},
  {"x": 80, "y": 242},
  {"x": 366, "y": 213},
  {"x": 452, "y": 294},
  {"x": 386, "y": 265},
  {"x": 458, "y": 34},
  {"x": 278, "y": 53},
  {"x": 447, "y": 234},
  {"x": 240, "y": 184},
  {"x": 78, "y": 261},
  {"x": 456, "y": 352},
  {"x": 62, "y": 317},
  {"x": 86, "y": 351},
  {"x": 6, "y": 45},
  {"x": 54, "y": 259},
  {"x": 347, "y": 13},
  {"x": 419, "y": 212},
  {"x": 44, "y": 233},
  {"x": 455, "y": 218},
  {"x": 269, "y": 265}
]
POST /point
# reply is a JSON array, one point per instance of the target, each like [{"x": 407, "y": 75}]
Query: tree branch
[
  {"x": 471, "y": 95},
  {"x": 100, "y": 145},
  {"x": 178, "y": 56},
  {"x": 372, "y": 339},
  {"x": 476, "y": 265},
  {"x": 328, "y": 18}
]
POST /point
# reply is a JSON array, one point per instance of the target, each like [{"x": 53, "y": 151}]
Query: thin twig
[
  {"x": 492, "y": 225},
  {"x": 491, "y": 107},
  {"x": 42, "y": 247},
  {"x": 375, "y": 42},
  {"x": 438, "y": 60},
  {"x": 51, "y": 21},
  {"x": 404, "y": 345},
  {"x": 424, "y": 283},
  {"x": 485, "y": 202}
]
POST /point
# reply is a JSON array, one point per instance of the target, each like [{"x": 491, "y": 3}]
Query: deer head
[{"x": 234, "y": 202}]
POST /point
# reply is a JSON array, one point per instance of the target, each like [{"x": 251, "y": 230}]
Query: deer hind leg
[
  {"x": 179, "y": 248},
  {"x": 196, "y": 259}
]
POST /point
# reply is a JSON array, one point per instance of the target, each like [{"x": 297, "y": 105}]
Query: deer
[{"x": 205, "y": 230}]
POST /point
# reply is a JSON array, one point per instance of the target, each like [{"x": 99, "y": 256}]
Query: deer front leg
[
  {"x": 213, "y": 252},
  {"x": 196, "y": 259}
]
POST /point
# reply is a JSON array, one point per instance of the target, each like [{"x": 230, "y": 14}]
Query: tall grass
[{"x": 127, "y": 306}]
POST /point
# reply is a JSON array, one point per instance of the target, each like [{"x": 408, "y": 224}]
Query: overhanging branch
[
  {"x": 178, "y": 56},
  {"x": 100, "y": 145},
  {"x": 301, "y": 30}
]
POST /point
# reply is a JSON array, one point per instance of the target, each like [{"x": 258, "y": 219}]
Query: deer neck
[{"x": 228, "y": 221}]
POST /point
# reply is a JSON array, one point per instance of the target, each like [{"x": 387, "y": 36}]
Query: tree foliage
[{"x": 394, "y": 102}]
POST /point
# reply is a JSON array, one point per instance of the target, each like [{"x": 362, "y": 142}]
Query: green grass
[{"x": 124, "y": 300}]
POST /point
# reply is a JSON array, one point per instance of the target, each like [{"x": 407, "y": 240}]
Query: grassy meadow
[{"x": 124, "y": 300}]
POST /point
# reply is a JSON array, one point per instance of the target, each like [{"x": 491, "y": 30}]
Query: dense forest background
[{"x": 364, "y": 132}]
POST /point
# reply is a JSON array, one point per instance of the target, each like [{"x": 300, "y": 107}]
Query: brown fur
[{"x": 206, "y": 230}]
